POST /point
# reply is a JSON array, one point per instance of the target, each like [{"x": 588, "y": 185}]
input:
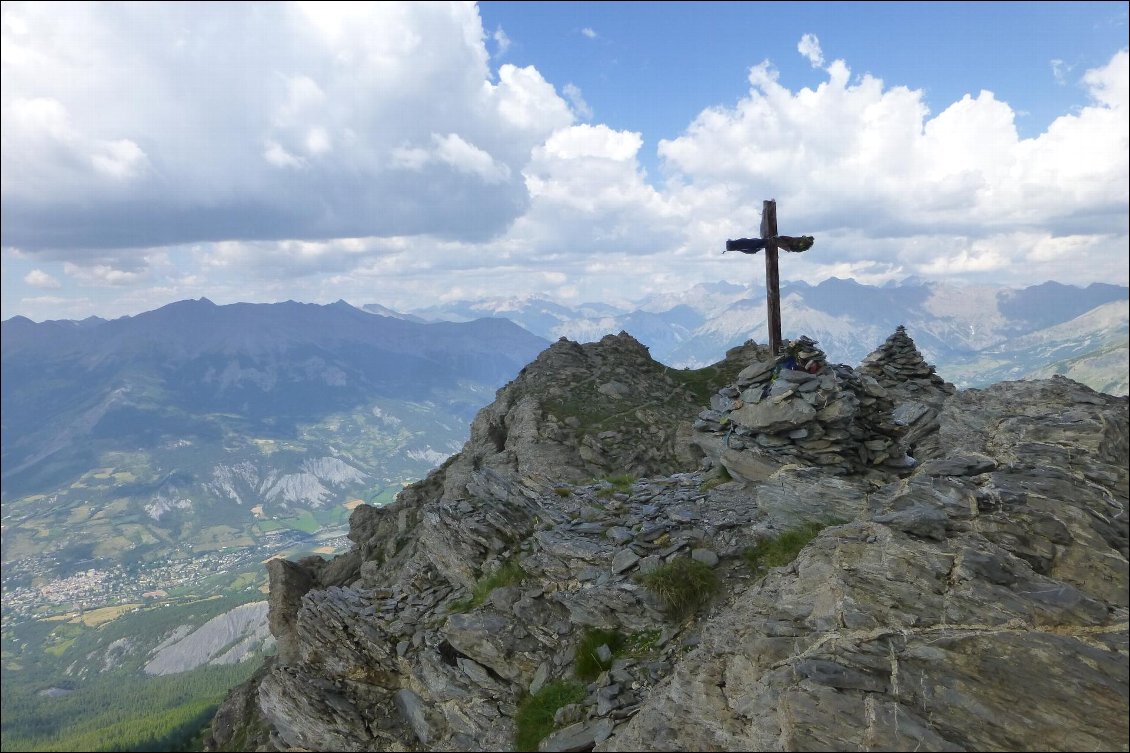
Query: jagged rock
[
  {"x": 705, "y": 556},
  {"x": 976, "y": 638},
  {"x": 958, "y": 465},
  {"x": 495, "y": 641},
  {"x": 579, "y": 736},
  {"x": 412, "y": 708},
  {"x": 289, "y": 583},
  {"x": 976, "y": 601}
]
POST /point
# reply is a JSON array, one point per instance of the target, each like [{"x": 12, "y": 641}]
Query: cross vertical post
[
  {"x": 772, "y": 278},
  {"x": 772, "y": 243}
]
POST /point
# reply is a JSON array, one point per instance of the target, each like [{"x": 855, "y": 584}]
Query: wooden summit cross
[{"x": 770, "y": 241}]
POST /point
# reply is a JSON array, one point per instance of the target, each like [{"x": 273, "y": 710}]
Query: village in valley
[{"x": 30, "y": 592}]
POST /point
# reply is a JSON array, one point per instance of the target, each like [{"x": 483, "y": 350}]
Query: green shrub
[
  {"x": 562, "y": 491},
  {"x": 783, "y": 549},
  {"x": 509, "y": 574},
  {"x": 683, "y": 585},
  {"x": 585, "y": 661},
  {"x": 534, "y": 719}
]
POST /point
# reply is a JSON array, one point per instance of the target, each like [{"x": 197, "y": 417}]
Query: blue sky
[
  {"x": 652, "y": 67},
  {"x": 409, "y": 153}
]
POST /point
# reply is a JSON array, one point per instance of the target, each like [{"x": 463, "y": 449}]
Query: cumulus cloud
[
  {"x": 103, "y": 275},
  {"x": 188, "y": 126},
  {"x": 853, "y": 155},
  {"x": 37, "y": 278},
  {"x": 376, "y": 156},
  {"x": 588, "y": 32},
  {"x": 809, "y": 46}
]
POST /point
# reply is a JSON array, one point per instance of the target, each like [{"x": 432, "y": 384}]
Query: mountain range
[
  {"x": 974, "y": 335},
  {"x": 211, "y": 426},
  {"x": 215, "y": 425}
]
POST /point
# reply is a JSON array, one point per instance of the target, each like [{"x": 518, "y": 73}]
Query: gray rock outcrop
[
  {"x": 977, "y": 601},
  {"x": 985, "y": 610}
]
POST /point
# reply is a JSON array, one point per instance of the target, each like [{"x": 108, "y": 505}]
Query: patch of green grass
[
  {"x": 704, "y": 382},
  {"x": 586, "y": 663},
  {"x": 683, "y": 586},
  {"x": 534, "y": 719},
  {"x": 563, "y": 491},
  {"x": 620, "y": 483},
  {"x": 783, "y": 549},
  {"x": 509, "y": 574}
]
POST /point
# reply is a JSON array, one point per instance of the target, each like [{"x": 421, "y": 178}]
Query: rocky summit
[{"x": 630, "y": 557}]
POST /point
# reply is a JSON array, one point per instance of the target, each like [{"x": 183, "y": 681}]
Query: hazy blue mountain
[
  {"x": 376, "y": 308},
  {"x": 952, "y": 325},
  {"x": 197, "y": 425}
]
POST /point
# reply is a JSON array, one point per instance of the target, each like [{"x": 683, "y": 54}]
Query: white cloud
[
  {"x": 185, "y": 126},
  {"x": 375, "y": 156},
  {"x": 468, "y": 158},
  {"x": 857, "y": 156},
  {"x": 588, "y": 32},
  {"x": 280, "y": 157},
  {"x": 1060, "y": 69},
  {"x": 501, "y": 41},
  {"x": 102, "y": 275},
  {"x": 588, "y": 195},
  {"x": 809, "y": 46},
  {"x": 318, "y": 141},
  {"x": 37, "y": 278},
  {"x": 573, "y": 93},
  {"x": 1110, "y": 84},
  {"x": 44, "y": 152},
  {"x": 529, "y": 104}
]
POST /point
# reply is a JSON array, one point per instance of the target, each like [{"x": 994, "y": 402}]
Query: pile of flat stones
[
  {"x": 898, "y": 364},
  {"x": 799, "y": 409}
]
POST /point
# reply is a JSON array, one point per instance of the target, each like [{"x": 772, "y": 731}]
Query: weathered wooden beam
[{"x": 772, "y": 279}]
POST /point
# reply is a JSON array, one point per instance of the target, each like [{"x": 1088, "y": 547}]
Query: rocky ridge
[{"x": 977, "y": 600}]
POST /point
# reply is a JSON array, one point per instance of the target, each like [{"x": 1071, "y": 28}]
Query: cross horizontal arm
[{"x": 784, "y": 242}]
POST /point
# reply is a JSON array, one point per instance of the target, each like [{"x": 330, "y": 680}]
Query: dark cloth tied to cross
[
  {"x": 793, "y": 243},
  {"x": 771, "y": 242}
]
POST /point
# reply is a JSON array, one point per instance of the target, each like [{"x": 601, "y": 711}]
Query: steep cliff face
[{"x": 975, "y": 601}]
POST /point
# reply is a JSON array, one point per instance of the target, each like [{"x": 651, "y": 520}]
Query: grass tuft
[
  {"x": 586, "y": 663},
  {"x": 783, "y": 549},
  {"x": 509, "y": 574},
  {"x": 619, "y": 483},
  {"x": 683, "y": 586},
  {"x": 534, "y": 719}
]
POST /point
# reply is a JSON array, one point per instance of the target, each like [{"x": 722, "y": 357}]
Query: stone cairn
[
  {"x": 898, "y": 364},
  {"x": 799, "y": 409}
]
